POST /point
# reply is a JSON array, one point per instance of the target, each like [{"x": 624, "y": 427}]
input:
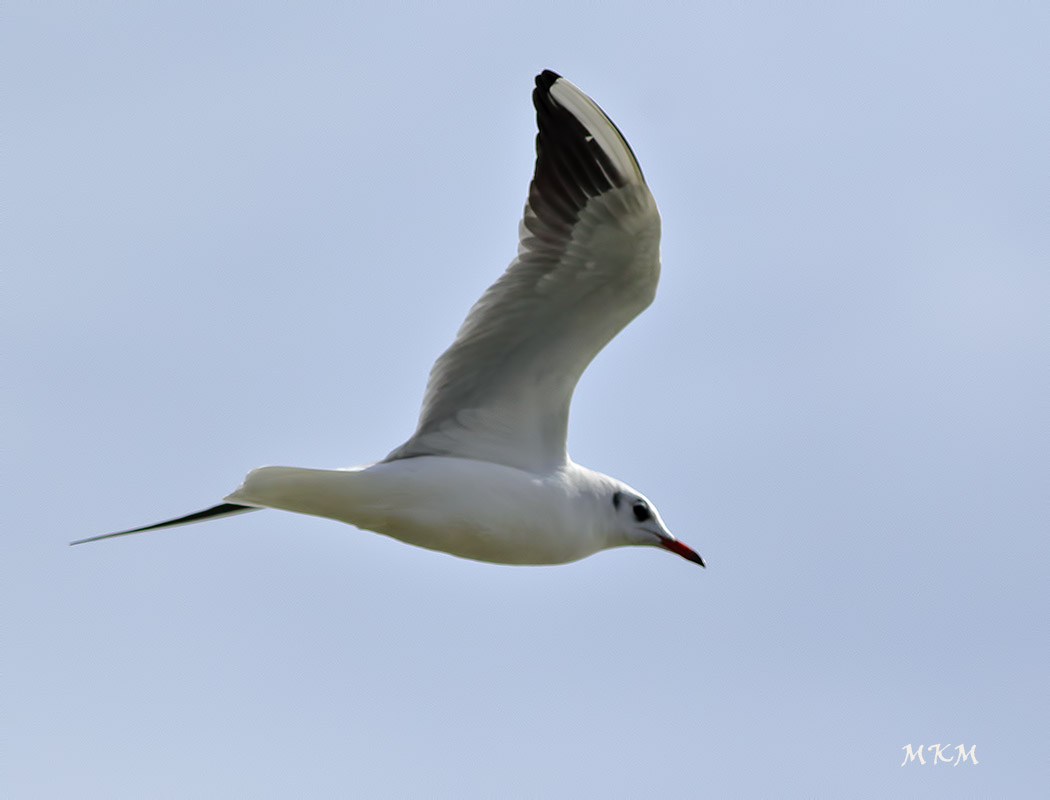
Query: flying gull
[{"x": 486, "y": 474}]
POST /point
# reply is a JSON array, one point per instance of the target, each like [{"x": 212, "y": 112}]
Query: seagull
[{"x": 486, "y": 475}]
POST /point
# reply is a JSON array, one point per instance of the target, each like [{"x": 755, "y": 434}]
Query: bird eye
[{"x": 641, "y": 511}]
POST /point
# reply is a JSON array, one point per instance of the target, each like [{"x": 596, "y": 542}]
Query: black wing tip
[
  {"x": 571, "y": 165},
  {"x": 545, "y": 80},
  {"x": 220, "y": 510}
]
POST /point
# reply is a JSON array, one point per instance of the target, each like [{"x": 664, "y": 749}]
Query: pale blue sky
[{"x": 236, "y": 235}]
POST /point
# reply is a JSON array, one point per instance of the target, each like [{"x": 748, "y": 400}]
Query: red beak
[{"x": 685, "y": 551}]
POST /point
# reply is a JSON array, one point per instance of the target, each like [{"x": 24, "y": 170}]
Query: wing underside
[{"x": 587, "y": 264}]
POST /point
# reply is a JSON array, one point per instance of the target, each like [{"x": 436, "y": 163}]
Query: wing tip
[
  {"x": 580, "y": 153},
  {"x": 546, "y": 79},
  {"x": 556, "y": 92},
  {"x": 221, "y": 510}
]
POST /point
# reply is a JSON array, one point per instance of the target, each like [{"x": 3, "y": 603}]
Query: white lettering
[
  {"x": 938, "y": 752},
  {"x": 910, "y": 755},
  {"x": 963, "y": 754}
]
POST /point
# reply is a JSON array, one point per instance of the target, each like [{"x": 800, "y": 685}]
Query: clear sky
[{"x": 239, "y": 234}]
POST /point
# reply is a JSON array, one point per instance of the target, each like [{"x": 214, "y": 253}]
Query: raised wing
[{"x": 588, "y": 262}]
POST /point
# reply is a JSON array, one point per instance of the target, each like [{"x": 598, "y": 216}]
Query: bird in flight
[{"x": 486, "y": 474}]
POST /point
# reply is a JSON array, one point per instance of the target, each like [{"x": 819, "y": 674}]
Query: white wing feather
[{"x": 588, "y": 262}]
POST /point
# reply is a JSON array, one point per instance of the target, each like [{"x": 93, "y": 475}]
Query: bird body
[
  {"x": 469, "y": 508},
  {"x": 486, "y": 474}
]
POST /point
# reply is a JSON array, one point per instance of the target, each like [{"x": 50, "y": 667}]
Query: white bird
[{"x": 486, "y": 475}]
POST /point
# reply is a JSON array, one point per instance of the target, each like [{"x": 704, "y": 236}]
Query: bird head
[{"x": 638, "y": 522}]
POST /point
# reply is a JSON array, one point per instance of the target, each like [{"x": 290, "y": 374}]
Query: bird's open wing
[
  {"x": 588, "y": 262},
  {"x": 221, "y": 510}
]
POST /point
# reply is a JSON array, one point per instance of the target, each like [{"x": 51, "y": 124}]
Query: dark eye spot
[
  {"x": 617, "y": 497},
  {"x": 641, "y": 511}
]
